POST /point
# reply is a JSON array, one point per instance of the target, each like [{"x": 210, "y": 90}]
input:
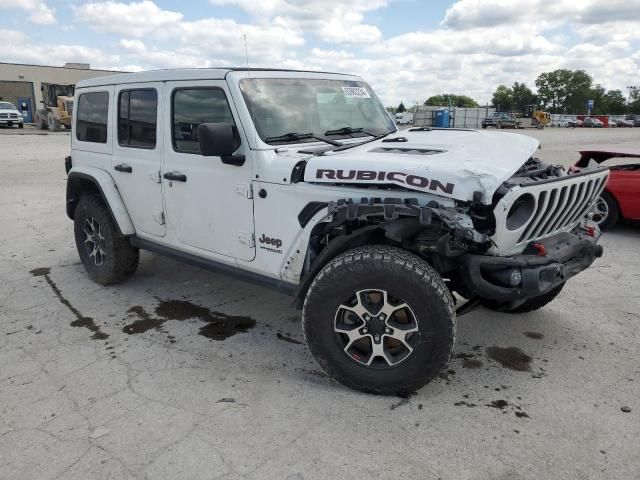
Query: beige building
[{"x": 20, "y": 84}]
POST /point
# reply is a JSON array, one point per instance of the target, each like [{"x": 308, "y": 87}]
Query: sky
[{"x": 407, "y": 50}]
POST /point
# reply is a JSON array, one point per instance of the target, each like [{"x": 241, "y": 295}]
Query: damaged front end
[{"x": 533, "y": 236}]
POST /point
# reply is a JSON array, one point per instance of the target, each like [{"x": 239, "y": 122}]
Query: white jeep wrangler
[{"x": 301, "y": 180}]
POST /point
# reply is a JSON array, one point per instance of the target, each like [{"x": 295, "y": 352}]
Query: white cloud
[
  {"x": 542, "y": 14},
  {"x": 478, "y": 45},
  {"x": 40, "y": 12},
  {"x": 135, "y": 19},
  {"x": 22, "y": 49},
  {"x": 334, "y": 21}
]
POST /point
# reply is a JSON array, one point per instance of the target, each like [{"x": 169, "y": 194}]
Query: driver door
[{"x": 209, "y": 204}]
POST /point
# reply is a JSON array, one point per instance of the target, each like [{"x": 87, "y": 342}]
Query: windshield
[
  {"x": 7, "y": 106},
  {"x": 63, "y": 90},
  {"x": 280, "y": 106}
]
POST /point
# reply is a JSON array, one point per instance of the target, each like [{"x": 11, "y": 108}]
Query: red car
[{"x": 621, "y": 195}]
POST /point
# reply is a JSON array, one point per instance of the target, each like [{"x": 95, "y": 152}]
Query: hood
[
  {"x": 9, "y": 110},
  {"x": 452, "y": 163}
]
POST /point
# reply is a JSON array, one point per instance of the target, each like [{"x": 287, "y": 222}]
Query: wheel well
[
  {"x": 369, "y": 234},
  {"x": 77, "y": 187}
]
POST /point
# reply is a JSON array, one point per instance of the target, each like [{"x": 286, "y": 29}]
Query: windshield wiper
[
  {"x": 349, "y": 131},
  {"x": 375, "y": 137},
  {"x": 293, "y": 136}
]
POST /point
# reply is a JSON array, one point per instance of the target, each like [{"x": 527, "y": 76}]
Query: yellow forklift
[
  {"x": 57, "y": 107},
  {"x": 534, "y": 118}
]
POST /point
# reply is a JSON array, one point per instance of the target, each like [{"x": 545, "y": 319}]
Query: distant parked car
[
  {"x": 624, "y": 123},
  {"x": 501, "y": 120},
  {"x": 564, "y": 122},
  {"x": 9, "y": 115},
  {"x": 621, "y": 195},
  {"x": 612, "y": 124},
  {"x": 591, "y": 122},
  {"x": 635, "y": 118},
  {"x": 574, "y": 123}
]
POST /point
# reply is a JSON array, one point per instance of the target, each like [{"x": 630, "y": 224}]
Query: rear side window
[
  {"x": 192, "y": 106},
  {"x": 137, "y": 118},
  {"x": 93, "y": 111}
]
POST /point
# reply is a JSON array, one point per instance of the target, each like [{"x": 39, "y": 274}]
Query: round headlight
[{"x": 521, "y": 211}]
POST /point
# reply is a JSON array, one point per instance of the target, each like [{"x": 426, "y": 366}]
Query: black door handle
[
  {"x": 123, "y": 167},
  {"x": 175, "y": 176}
]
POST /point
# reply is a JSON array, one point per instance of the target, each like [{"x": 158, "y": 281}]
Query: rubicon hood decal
[
  {"x": 412, "y": 181},
  {"x": 458, "y": 163}
]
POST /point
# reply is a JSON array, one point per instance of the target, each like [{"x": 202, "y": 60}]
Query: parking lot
[{"x": 134, "y": 381}]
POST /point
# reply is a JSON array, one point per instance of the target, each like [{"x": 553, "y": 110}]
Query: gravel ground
[{"x": 97, "y": 383}]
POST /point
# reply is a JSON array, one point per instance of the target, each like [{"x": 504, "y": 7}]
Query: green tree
[
  {"x": 502, "y": 98},
  {"x": 401, "y": 108},
  {"x": 447, "y": 99},
  {"x": 522, "y": 96},
  {"x": 598, "y": 95},
  {"x": 564, "y": 91},
  {"x": 634, "y": 100},
  {"x": 616, "y": 102}
]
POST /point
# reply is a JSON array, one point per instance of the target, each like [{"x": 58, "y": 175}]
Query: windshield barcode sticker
[{"x": 355, "y": 92}]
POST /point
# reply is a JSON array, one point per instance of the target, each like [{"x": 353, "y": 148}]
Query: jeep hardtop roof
[{"x": 187, "y": 74}]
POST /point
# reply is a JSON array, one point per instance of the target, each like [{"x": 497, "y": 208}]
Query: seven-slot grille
[{"x": 558, "y": 207}]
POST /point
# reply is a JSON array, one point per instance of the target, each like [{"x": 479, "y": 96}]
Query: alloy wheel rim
[
  {"x": 600, "y": 211},
  {"x": 376, "y": 329},
  {"x": 94, "y": 241}
]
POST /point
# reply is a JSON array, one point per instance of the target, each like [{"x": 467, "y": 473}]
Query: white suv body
[{"x": 290, "y": 177}]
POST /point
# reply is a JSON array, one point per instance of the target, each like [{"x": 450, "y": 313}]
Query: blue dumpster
[{"x": 441, "y": 119}]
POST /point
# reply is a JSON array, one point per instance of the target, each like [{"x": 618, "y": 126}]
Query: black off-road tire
[
  {"x": 613, "y": 213},
  {"x": 534, "y": 303},
  {"x": 120, "y": 259},
  {"x": 403, "y": 275},
  {"x": 42, "y": 122},
  {"x": 53, "y": 123}
]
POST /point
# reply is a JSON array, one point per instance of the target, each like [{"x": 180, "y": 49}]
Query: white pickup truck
[
  {"x": 301, "y": 180},
  {"x": 404, "y": 118}
]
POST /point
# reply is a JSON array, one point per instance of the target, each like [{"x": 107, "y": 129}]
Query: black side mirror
[{"x": 220, "y": 140}]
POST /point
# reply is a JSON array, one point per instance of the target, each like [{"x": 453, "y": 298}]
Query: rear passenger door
[{"x": 137, "y": 154}]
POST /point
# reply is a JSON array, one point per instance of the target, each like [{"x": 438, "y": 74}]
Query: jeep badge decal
[
  {"x": 396, "y": 177},
  {"x": 270, "y": 244}
]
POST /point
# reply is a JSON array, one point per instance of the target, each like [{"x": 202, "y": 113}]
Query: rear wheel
[
  {"x": 606, "y": 211},
  {"x": 379, "y": 319},
  {"x": 42, "y": 122},
  {"x": 105, "y": 253}
]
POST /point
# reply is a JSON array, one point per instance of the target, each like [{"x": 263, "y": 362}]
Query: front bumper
[
  {"x": 568, "y": 254},
  {"x": 10, "y": 121}
]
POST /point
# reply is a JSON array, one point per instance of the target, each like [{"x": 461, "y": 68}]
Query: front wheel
[
  {"x": 606, "y": 211},
  {"x": 105, "y": 253},
  {"x": 380, "y": 319}
]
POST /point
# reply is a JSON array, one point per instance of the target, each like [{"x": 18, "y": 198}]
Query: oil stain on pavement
[
  {"x": 219, "y": 326},
  {"x": 510, "y": 357},
  {"x": 81, "y": 320}
]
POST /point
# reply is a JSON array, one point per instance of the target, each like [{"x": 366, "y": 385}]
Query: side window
[
  {"x": 192, "y": 106},
  {"x": 93, "y": 111},
  {"x": 137, "y": 118}
]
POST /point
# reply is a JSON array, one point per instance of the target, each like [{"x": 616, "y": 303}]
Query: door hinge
[
  {"x": 245, "y": 189},
  {"x": 247, "y": 238},
  {"x": 159, "y": 178}
]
